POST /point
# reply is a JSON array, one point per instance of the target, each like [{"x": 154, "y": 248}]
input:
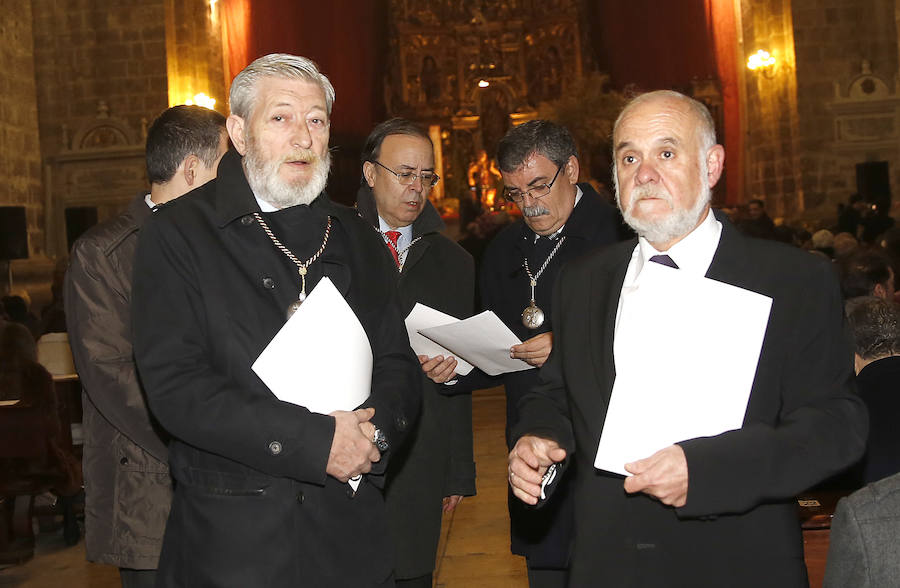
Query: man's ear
[
  {"x": 715, "y": 163},
  {"x": 369, "y": 173},
  {"x": 189, "y": 169},
  {"x": 235, "y": 126},
  {"x": 572, "y": 169}
]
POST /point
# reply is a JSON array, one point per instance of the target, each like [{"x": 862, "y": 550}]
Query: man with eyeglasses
[
  {"x": 432, "y": 473},
  {"x": 562, "y": 219}
]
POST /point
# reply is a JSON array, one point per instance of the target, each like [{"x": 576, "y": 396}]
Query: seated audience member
[
  {"x": 17, "y": 311},
  {"x": 823, "y": 241},
  {"x": 864, "y": 551},
  {"x": 844, "y": 244},
  {"x": 850, "y": 218},
  {"x": 866, "y": 273},
  {"x": 875, "y": 224},
  {"x": 875, "y": 325},
  {"x": 18, "y": 355},
  {"x": 22, "y": 378},
  {"x": 757, "y": 223}
]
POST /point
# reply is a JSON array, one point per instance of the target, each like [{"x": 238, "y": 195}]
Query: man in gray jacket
[
  {"x": 126, "y": 474},
  {"x": 864, "y": 551}
]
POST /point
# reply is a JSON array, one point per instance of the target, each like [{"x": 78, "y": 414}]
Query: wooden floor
[{"x": 474, "y": 547}]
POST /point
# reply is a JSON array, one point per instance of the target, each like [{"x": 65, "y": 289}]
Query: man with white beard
[
  {"x": 709, "y": 511},
  {"x": 261, "y": 497}
]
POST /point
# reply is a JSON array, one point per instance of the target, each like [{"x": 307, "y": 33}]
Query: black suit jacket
[
  {"x": 253, "y": 505},
  {"x": 437, "y": 461},
  {"x": 543, "y": 536},
  {"x": 803, "y": 423}
]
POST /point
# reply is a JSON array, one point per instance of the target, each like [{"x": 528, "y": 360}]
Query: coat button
[
  {"x": 268, "y": 283},
  {"x": 124, "y": 461},
  {"x": 300, "y": 497},
  {"x": 274, "y": 447},
  {"x": 247, "y": 220},
  {"x": 401, "y": 423}
]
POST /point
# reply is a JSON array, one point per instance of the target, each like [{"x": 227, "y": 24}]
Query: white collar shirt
[{"x": 693, "y": 254}]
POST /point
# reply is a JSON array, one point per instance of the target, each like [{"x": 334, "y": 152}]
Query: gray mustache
[{"x": 532, "y": 211}]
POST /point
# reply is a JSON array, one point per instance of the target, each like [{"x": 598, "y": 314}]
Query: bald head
[{"x": 666, "y": 162}]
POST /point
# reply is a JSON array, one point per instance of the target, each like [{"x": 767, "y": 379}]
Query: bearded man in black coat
[
  {"x": 261, "y": 495},
  {"x": 716, "y": 510}
]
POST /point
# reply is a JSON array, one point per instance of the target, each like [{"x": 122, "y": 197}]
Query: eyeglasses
[
  {"x": 429, "y": 179},
  {"x": 536, "y": 192}
]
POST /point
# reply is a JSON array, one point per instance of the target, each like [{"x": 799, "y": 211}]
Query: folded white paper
[
  {"x": 321, "y": 357},
  {"x": 686, "y": 353},
  {"x": 482, "y": 340},
  {"x": 423, "y": 317}
]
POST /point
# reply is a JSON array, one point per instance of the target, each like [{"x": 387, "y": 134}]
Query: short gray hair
[
  {"x": 275, "y": 65},
  {"x": 541, "y": 137},
  {"x": 875, "y": 324}
]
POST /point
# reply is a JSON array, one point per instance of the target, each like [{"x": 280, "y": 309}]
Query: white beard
[
  {"x": 268, "y": 186},
  {"x": 672, "y": 226}
]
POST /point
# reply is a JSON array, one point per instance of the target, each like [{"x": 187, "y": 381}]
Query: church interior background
[{"x": 816, "y": 122}]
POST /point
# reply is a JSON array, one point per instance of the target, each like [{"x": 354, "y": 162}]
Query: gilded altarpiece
[{"x": 474, "y": 68}]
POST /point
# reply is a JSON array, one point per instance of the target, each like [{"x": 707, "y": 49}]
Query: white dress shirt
[{"x": 693, "y": 254}]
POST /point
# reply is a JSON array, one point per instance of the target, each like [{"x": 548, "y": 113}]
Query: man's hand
[
  {"x": 535, "y": 350},
  {"x": 450, "y": 502},
  {"x": 528, "y": 461},
  {"x": 352, "y": 451},
  {"x": 438, "y": 368},
  {"x": 663, "y": 475}
]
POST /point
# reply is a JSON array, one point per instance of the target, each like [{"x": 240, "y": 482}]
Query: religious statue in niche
[
  {"x": 430, "y": 79},
  {"x": 494, "y": 117},
  {"x": 552, "y": 74},
  {"x": 483, "y": 177}
]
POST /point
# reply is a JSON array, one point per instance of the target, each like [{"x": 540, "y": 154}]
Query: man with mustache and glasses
[
  {"x": 717, "y": 510},
  {"x": 261, "y": 495},
  {"x": 562, "y": 220}
]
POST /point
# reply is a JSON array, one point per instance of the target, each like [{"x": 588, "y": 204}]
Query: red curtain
[
  {"x": 723, "y": 24},
  {"x": 346, "y": 38},
  {"x": 652, "y": 45}
]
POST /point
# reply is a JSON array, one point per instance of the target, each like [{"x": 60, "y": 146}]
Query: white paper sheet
[
  {"x": 482, "y": 340},
  {"x": 685, "y": 367},
  {"x": 423, "y": 317},
  {"x": 321, "y": 358}
]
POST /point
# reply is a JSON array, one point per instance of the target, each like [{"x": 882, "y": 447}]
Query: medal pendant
[
  {"x": 532, "y": 316},
  {"x": 292, "y": 308}
]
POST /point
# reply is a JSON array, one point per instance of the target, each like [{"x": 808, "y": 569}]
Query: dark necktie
[
  {"x": 392, "y": 244},
  {"x": 664, "y": 260}
]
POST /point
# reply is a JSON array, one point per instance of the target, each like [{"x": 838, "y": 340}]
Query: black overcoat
[
  {"x": 803, "y": 423},
  {"x": 437, "y": 461},
  {"x": 253, "y": 505},
  {"x": 542, "y": 535}
]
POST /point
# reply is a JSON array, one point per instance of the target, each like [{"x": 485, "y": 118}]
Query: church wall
[
  {"x": 770, "y": 109},
  {"x": 87, "y": 51},
  {"x": 832, "y": 40},
  {"x": 20, "y": 165}
]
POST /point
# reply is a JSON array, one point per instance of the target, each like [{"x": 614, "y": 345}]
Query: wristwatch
[{"x": 380, "y": 440}]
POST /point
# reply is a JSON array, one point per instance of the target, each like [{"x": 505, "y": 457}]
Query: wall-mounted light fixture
[
  {"x": 203, "y": 100},
  {"x": 483, "y": 83},
  {"x": 764, "y": 63}
]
